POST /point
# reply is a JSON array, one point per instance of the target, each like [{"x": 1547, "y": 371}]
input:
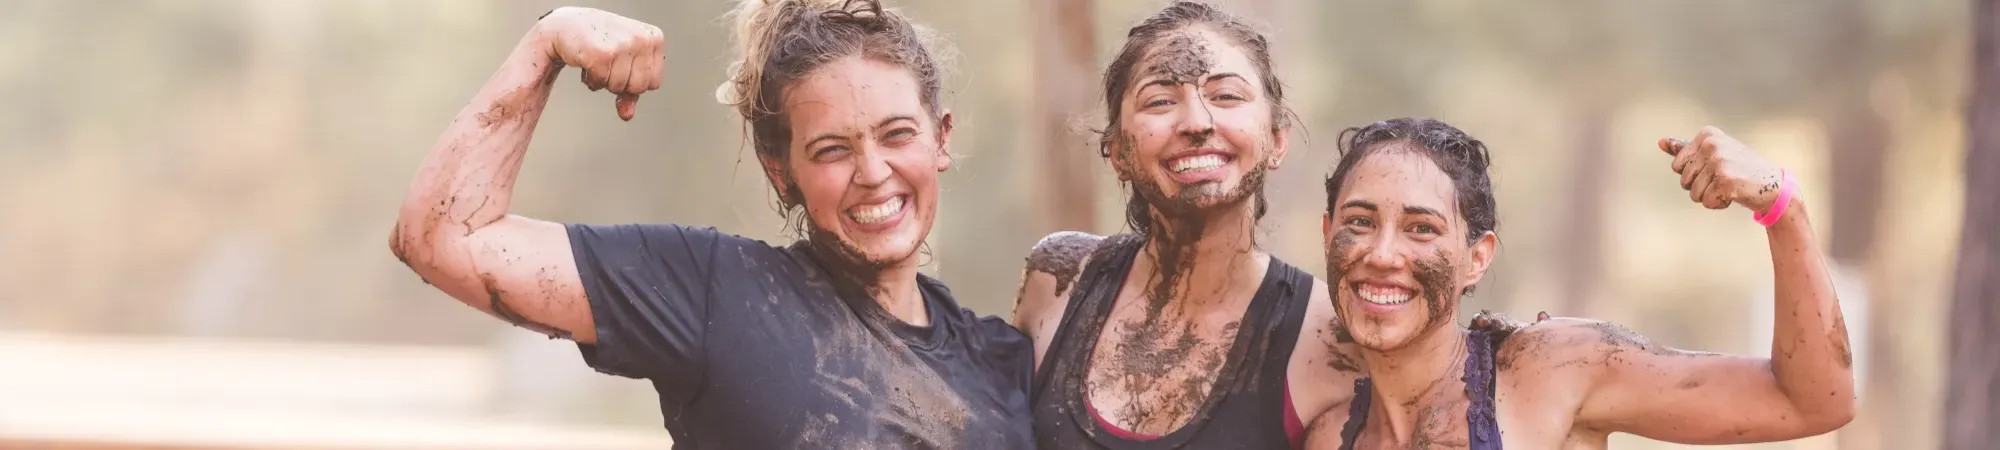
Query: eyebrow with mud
[
  {"x": 1363, "y": 204},
  {"x": 1420, "y": 210},
  {"x": 1171, "y": 82}
]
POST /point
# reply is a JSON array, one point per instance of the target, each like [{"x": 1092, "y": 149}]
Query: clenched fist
[
  {"x": 614, "y": 52},
  {"x": 1717, "y": 170}
]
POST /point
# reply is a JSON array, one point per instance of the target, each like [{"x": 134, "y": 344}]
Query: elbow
[
  {"x": 409, "y": 225},
  {"x": 410, "y": 238},
  {"x": 1826, "y": 417},
  {"x": 1839, "y": 414},
  {"x": 396, "y": 243}
]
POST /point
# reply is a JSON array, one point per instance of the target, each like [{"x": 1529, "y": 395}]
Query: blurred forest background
[{"x": 195, "y": 195}]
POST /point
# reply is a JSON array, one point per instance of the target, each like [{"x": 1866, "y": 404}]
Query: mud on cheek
[
  {"x": 1338, "y": 263},
  {"x": 1437, "y": 276}
]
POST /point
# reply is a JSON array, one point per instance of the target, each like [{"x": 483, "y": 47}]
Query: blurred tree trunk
[
  {"x": 1582, "y": 238},
  {"x": 1065, "y": 71},
  {"x": 1857, "y": 136},
  {"x": 1972, "y": 385}
]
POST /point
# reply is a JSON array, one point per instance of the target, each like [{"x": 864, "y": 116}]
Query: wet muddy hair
[
  {"x": 1461, "y": 157},
  {"x": 1178, "y": 19},
  {"x": 782, "y": 41}
]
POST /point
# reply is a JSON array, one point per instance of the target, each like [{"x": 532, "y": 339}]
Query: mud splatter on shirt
[{"x": 751, "y": 346}]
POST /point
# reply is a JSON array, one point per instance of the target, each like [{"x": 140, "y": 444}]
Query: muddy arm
[
  {"x": 1805, "y": 387},
  {"x": 454, "y": 229}
]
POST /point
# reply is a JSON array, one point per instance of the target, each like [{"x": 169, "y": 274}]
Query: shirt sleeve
[{"x": 649, "y": 288}]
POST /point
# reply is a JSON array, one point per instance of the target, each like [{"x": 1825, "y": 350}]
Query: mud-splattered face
[
  {"x": 1397, "y": 260},
  {"x": 1196, "y": 132},
  {"x": 865, "y": 157}
]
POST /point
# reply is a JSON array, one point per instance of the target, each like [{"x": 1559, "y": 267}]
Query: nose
[
  {"x": 1384, "y": 255},
  {"x": 1197, "y": 121},
  {"x": 870, "y": 167}
]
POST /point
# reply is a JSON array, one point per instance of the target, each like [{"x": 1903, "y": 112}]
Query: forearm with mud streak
[
  {"x": 1809, "y": 345},
  {"x": 467, "y": 184}
]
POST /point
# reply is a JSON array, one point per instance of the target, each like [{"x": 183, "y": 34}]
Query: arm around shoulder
[{"x": 1050, "y": 272}]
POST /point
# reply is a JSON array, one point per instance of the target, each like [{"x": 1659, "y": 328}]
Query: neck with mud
[
  {"x": 893, "y": 286},
  {"x": 896, "y": 289},
  {"x": 1191, "y": 262},
  {"x": 1406, "y": 379}
]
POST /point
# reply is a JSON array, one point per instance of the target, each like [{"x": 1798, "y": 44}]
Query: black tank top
[
  {"x": 1245, "y": 409},
  {"x": 1480, "y": 419}
]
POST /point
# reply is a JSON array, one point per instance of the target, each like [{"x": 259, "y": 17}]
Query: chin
[
  {"x": 1381, "y": 332},
  {"x": 886, "y": 247},
  {"x": 1232, "y": 191},
  {"x": 1380, "y": 339},
  {"x": 884, "y": 254}
]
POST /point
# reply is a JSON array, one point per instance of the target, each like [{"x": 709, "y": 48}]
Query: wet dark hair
[
  {"x": 1141, "y": 41},
  {"x": 782, "y": 41},
  {"x": 1461, "y": 157}
]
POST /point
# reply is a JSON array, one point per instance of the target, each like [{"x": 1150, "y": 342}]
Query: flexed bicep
[{"x": 1630, "y": 384}]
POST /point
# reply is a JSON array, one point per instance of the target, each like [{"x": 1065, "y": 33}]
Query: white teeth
[
  {"x": 1384, "y": 299},
  {"x": 1203, "y": 162},
  {"x": 876, "y": 213}
]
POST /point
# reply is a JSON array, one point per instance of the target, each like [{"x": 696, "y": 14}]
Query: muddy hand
[
  {"x": 1717, "y": 171},
  {"x": 614, "y": 52}
]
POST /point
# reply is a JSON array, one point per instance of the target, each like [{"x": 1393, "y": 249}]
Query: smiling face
[
  {"x": 1196, "y": 132},
  {"x": 864, "y": 158},
  {"x": 1397, "y": 255}
]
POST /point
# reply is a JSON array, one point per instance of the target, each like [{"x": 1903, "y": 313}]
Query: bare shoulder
[
  {"x": 1324, "y": 338},
  {"x": 1568, "y": 344},
  {"x": 1051, "y": 270},
  {"x": 1325, "y": 361}
]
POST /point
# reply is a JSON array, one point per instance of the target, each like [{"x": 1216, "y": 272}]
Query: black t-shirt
[{"x": 750, "y": 347}]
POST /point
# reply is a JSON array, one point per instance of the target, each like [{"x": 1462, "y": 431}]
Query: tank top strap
[
  {"x": 1357, "y": 414},
  {"x": 1480, "y": 416}
]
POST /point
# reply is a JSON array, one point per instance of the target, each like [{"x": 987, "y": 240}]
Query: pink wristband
[{"x": 1786, "y": 186}]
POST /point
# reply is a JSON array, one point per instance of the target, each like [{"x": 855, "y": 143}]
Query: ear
[
  {"x": 1482, "y": 253},
  {"x": 774, "y": 170},
  {"x": 1325, "y": 231},
  {"x": 944, "y": 140},
  {"x": 1281, "y": 140},
  {"x": 1114, "y": 149}
]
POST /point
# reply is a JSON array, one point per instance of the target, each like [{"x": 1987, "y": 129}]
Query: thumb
[
  {"x": 628, "y": 105},
  {"x": 1672, "y": 146}
]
